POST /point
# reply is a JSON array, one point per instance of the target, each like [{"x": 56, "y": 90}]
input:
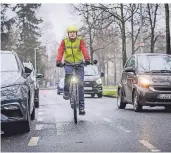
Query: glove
[
  {"x": 87, "y": 62},
  {"x": 58, "y": 64}
]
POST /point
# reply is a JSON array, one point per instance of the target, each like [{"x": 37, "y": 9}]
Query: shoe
[
  {"x": 82, "y": 111},
  {"x": 66, "y": 96}
]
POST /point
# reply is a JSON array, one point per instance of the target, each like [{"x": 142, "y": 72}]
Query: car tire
[
  {"x": 120, "y": 103},
  {"x": 167, "y": 108},
  {"x": 92, "y": 95},
  {"x": 33, "y": 114},
  {"x": 37, "y": 104},
  {"x": 58, "y": 93},
  {"x": 137, "y": 106},
  {"x": 37, "y": 101},
  {"x": 99, "y": 95},
  {"x": 26, "y": 125}
]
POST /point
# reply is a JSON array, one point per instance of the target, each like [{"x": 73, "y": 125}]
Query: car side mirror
[
  {"x": 102, "y": 74},
  {"x": 27, "y": 71},
  {"x": 129, "y": 69},
  {"x": 39, "y": 75},
  {"x": 95, "y": 62}
]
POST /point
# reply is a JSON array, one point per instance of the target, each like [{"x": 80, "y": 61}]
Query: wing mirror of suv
[
  {"x": 129, "y": 69},
  {"x": 102, "y": 74},
  {"x": 39, "y": 75},
  {"x": 95, "y": 62},
  {"x": 27, "y": 71}
]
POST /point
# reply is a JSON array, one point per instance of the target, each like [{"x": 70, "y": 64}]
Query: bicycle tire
[{"x": 74, "y": 92}]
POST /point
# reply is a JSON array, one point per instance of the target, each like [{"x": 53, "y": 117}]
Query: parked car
[
  {"x": 34, "y": 77},
  {"x": 146, "y": 81},
  {"x": 17, "y": 93},
  {"x": 93, "y": 81},
  {"x": 60, "y": 86}
]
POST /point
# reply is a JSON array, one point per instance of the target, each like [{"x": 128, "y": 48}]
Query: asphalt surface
[{"x": 104, "y": 128}]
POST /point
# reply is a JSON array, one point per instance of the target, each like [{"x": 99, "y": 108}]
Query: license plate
[
  {"x": 164, "y": 96},
  {"x": 87, "y": 88}
]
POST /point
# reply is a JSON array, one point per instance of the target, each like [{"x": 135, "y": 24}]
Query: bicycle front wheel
[{"x": 75, "y": 114}]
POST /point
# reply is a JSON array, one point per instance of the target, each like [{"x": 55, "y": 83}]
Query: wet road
[{"x": 103, "y": 128}]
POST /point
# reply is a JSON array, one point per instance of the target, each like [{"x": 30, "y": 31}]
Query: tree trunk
[
  {"x": 132, "y": 32},
  {"x": 123, "y": 36},
  {"x": 152, "y": 40},
  {"x": 107, "y": 73},
  {"x": 168, "y": 47},
  {"x": 91, "y": 47}
]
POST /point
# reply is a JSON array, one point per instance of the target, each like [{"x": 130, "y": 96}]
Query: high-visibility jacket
[{"x": 73, "y": 52}]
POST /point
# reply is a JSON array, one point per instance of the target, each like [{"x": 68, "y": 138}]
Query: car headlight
[
  {"x": 144, "y": 82},
  {"x": 10, "y": 107},
  {"x": 10, "y": 92},
  {"x": 99, "y": 81},
  {"x": 74, "y": 79}
]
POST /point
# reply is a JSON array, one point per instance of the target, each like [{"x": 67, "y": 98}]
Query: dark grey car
[
  {"x": 146, "y": 81},
  {"x": 17, "y": 94}
]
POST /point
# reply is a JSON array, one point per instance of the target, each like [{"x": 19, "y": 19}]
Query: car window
[
  {"x": 9, "y": 63},
  {"x": 154, "y": 62},
  {"x": 91, "y": 70},
  {"x": 131, "y": 62}
]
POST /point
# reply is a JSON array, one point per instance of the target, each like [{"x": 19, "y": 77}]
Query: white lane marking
[
  {"x": 106, "y": 119},
  {"x": 39, "y": 119},
  {"x": 33, "y": 141},
  {"x": 149, "y": 146},
  {"x": 60, "y": 128},
  {"x": 39, "y": 126},
  {"x": 123, "y": 129},
  {"x": 97, "y": 114}
]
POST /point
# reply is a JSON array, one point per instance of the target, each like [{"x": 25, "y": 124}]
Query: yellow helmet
[{"x": 72, "y": 28}]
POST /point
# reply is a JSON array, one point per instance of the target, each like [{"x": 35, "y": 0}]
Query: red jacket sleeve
[
  {"x": 60, "y": 51},
  {"x": 84, "y": 50}
]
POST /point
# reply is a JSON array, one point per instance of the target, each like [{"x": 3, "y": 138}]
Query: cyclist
[{"x": 73, "y": 49}]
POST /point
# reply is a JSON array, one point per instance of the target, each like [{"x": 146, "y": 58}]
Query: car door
[
  {"x": 130, "y": 78},
  {"x": 124, "y": 80}
]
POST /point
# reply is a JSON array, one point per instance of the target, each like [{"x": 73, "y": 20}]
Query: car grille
[
  {"x": 89, "y": 83},
  {"x": 162, "y": 88}
]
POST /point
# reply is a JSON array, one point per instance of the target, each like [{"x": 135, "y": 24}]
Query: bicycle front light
[
  {"x": 99, "y": 81},
  {"x": 74, "y": 79}
]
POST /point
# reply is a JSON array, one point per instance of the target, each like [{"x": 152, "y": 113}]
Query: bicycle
[{"x": 73, "y": 90}]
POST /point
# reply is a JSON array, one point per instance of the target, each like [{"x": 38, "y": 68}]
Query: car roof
[{"x": 150, "y": 54}]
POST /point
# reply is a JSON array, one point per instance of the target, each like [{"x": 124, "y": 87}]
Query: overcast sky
[{"x": 60, "y": 16}]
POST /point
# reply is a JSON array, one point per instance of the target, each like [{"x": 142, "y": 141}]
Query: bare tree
[
  {"x": 168, "y": 47},
  {"x": 152, "y": 15}
]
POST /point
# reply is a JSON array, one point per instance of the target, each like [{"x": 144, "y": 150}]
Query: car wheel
[
  {"x": 58, "y": 93},
  {"x": 92, "y": 95},
  {"x": 26, "y": 124},
  {"x": 168, "y": 108},
  {"x": 120, "y": 103},
  {"x": 37, "y": 104},
  {"x": 99, "y": 95},
  {"x": 33, "y": 114},
  {"x": 136, "y": 105}
]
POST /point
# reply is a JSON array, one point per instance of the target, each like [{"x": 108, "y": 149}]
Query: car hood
[
  {"x": 159, "y": 79},
  {"x": 10, "y": 78},
  {"x": 91, "y": 78}
]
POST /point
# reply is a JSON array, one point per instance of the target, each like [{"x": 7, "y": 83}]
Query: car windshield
[
  {"x": 8, "y": 63},
  {"x": 154, "y": 63},
  {"x": 91, "y": 70}
]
